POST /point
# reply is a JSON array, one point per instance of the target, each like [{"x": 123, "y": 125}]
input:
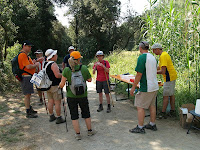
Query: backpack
[
  {"x": 41, "y": 79},
  {"x": 78, "y": 85},
  {"x": 17, "y": 72}
]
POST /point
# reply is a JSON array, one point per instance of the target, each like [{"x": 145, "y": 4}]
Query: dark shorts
[
  {"x": 26, "y": 85},
  {"x": 73, "y": 107},
  {"x": 102, "y": 85}
]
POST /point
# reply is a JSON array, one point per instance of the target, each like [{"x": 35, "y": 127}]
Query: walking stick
[
  {"x": 64, "y": 109},
  {"x": 109, "y": 89},
  {"x": 45, "y": 103}
]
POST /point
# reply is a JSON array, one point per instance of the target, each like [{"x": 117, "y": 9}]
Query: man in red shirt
[
  {"x": 102, "y": 68},
  {"x": 27, "y": 87}
]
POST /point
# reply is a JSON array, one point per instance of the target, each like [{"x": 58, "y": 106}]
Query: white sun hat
[
  {"x": 71, "y": 47},
  {"x": 50, "y": 53}
]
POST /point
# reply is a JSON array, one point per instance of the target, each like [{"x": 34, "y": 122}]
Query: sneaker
[
  {"x": 78, "y": 136},
  {"x": 31, "y": 115},
  {"x": 100, "y": 108},
  {"x": 148, "y": 126},
  {"x": 162, "y": 115},
  {"x": 52, "y": 118},
  {"x": 137, "y": 130},
  {"x": 93, "y": 132},
  {"x": 59, "y": 120},
  {"x": 32, "y": 111},
  {"x": 108, "y": 109},
  {"x": 172, "y": 113}
]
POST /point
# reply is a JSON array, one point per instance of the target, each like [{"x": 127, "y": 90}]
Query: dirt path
[{"x": 112, "y": 130}]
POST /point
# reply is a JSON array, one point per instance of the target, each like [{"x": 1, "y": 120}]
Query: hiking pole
[
  {"x": 109, "y": 89},
  {"x": 45, "y": 103},
  {"x": 64, "y": 109}
]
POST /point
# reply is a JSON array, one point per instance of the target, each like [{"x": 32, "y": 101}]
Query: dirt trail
[{"x": 113, "y": 131}]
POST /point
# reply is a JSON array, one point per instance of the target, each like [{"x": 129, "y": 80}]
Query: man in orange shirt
[{"x": 26, "y": 63}]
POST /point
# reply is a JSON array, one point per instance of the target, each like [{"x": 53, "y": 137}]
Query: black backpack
[{"x": 16, "y": 70}]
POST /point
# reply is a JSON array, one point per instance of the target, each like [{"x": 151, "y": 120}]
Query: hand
[
  {"x": 34, "y": 61},
  {"x": 132, "y": 91},
  {"x": 37, "y": 64},
  {"x": 40, "y": 59}
]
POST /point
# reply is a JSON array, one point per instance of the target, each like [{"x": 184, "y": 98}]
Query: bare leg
[
  {"x": 27, "y": 101},
  {"x": 172, "y": 102},
  {"x": 108, "y": 98},
  {"x": 40, "y": 94},
  {"x": 58, "y": 107},
  {"x": 100, "y": 98},
  {"x": 165, "y": 103},
  {"x": 75, "y": 124},
  {"x": 152, "y": 110},
  {"x": 50, "y": 106},
  {"x": 88, "y": 123},
  {"x": 141, "y": 115}
]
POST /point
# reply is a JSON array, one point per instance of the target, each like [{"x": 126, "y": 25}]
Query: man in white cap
[
  {"x": 166, "y": 68},
  {"x": 65, "y": 60}
]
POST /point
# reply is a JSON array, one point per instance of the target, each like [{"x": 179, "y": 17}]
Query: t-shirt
[
  {"x": 23, "y": 61},
  {"x": 101, "y": 72},
  {"x": 65, "y": 60},
  {"x": 165, "y": 60},
  {"x": 147, "y": 65},
  {"x": 68, "y": 73}
]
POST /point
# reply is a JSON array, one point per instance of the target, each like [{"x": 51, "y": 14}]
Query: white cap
[
  {"x": 50, "y": 53},
  {"x": 99, "y": 53},
  {"x": 156, "y": 45},
  {"x": 71, "y": 47}
]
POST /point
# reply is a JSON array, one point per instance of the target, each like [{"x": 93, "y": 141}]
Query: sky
[{"x": 137, "y": 5}]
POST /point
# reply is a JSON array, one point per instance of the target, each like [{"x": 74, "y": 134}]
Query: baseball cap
[
  {"x": 38, "y": 51},
  {"x": 50, "y": 53},
  {"x": 71, "y": 47},
  {"x": 144, "y": 45},
  {"x": 99, "y": 53},
  {"x": 26, "y": 42},
  {"x": 76, "y": 55},
  {"x": 156, "y": 45}
]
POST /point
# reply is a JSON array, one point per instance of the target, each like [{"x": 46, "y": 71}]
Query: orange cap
[{"x": 76, "y": 54}]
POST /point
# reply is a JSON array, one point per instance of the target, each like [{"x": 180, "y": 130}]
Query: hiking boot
[
  {"x": 60, "y": 120},
  {"x": 78, "y": 136},
  {"x": 108, "y": 109},
  {"x": 31, "y": 115},
  {"x": 172, "y": 113},
  {"x": 148, "y": 126},
  {"x": 52, "y": 118},
  {"x": 93, "y": 132},
  {"x": 162, "y": 115},
  {"x": 137, "y": 130},
  {"x": 100, "y": 108},
  {"x": 32, "y": 111}
]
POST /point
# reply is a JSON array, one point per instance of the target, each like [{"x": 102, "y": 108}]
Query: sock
[
  {"x": 78, "y": 133},
  {"x": 52, "y": 114},
  {"x": 58, "y": 116},
  {"x": 108, "y": 105},
  {"x": 28, "y": 110},
  {"x": 140, "y": 126},
  {"x": 152, "y": 123},
  {"x": 90, "y": 130},
  {"x": 100, "y": 104}
]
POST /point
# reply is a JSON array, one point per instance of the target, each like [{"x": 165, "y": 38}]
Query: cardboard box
[{"x": 183, "y": 117}]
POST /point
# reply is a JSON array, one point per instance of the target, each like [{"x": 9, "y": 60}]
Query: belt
[{"x": 26, "y": 75}]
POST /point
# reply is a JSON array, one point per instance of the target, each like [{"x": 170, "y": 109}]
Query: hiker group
[{"x": 46, "y": 75}]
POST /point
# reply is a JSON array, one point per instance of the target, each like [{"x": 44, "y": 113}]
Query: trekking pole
[
  {"x": 45, "y": 103},
  {"x": 109, "y": 89},
  {"x": 64, "y": 109}
]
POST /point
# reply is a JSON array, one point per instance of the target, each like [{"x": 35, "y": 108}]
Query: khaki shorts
[
  {"x": 145, "y": 99},
  {"x": 54, "y": 93},
  {"x": 169, "y": 88}
]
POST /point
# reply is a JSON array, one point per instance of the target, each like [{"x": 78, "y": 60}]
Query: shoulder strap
[
  {"x": 80, "y": 67},
  {"x": 48, "y": 63},
  {"x": 104, "y": 63}
]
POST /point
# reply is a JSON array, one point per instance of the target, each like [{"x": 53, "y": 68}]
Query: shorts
[
  {"x": 54, "y": 93},
  {"x": 73, "y": 107},
  {"x": 169, "y": 88},
  {"x": 26, "y": 85},
  {"x": 145, "y": 99},
  {"x": 102, "y": 85}
]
